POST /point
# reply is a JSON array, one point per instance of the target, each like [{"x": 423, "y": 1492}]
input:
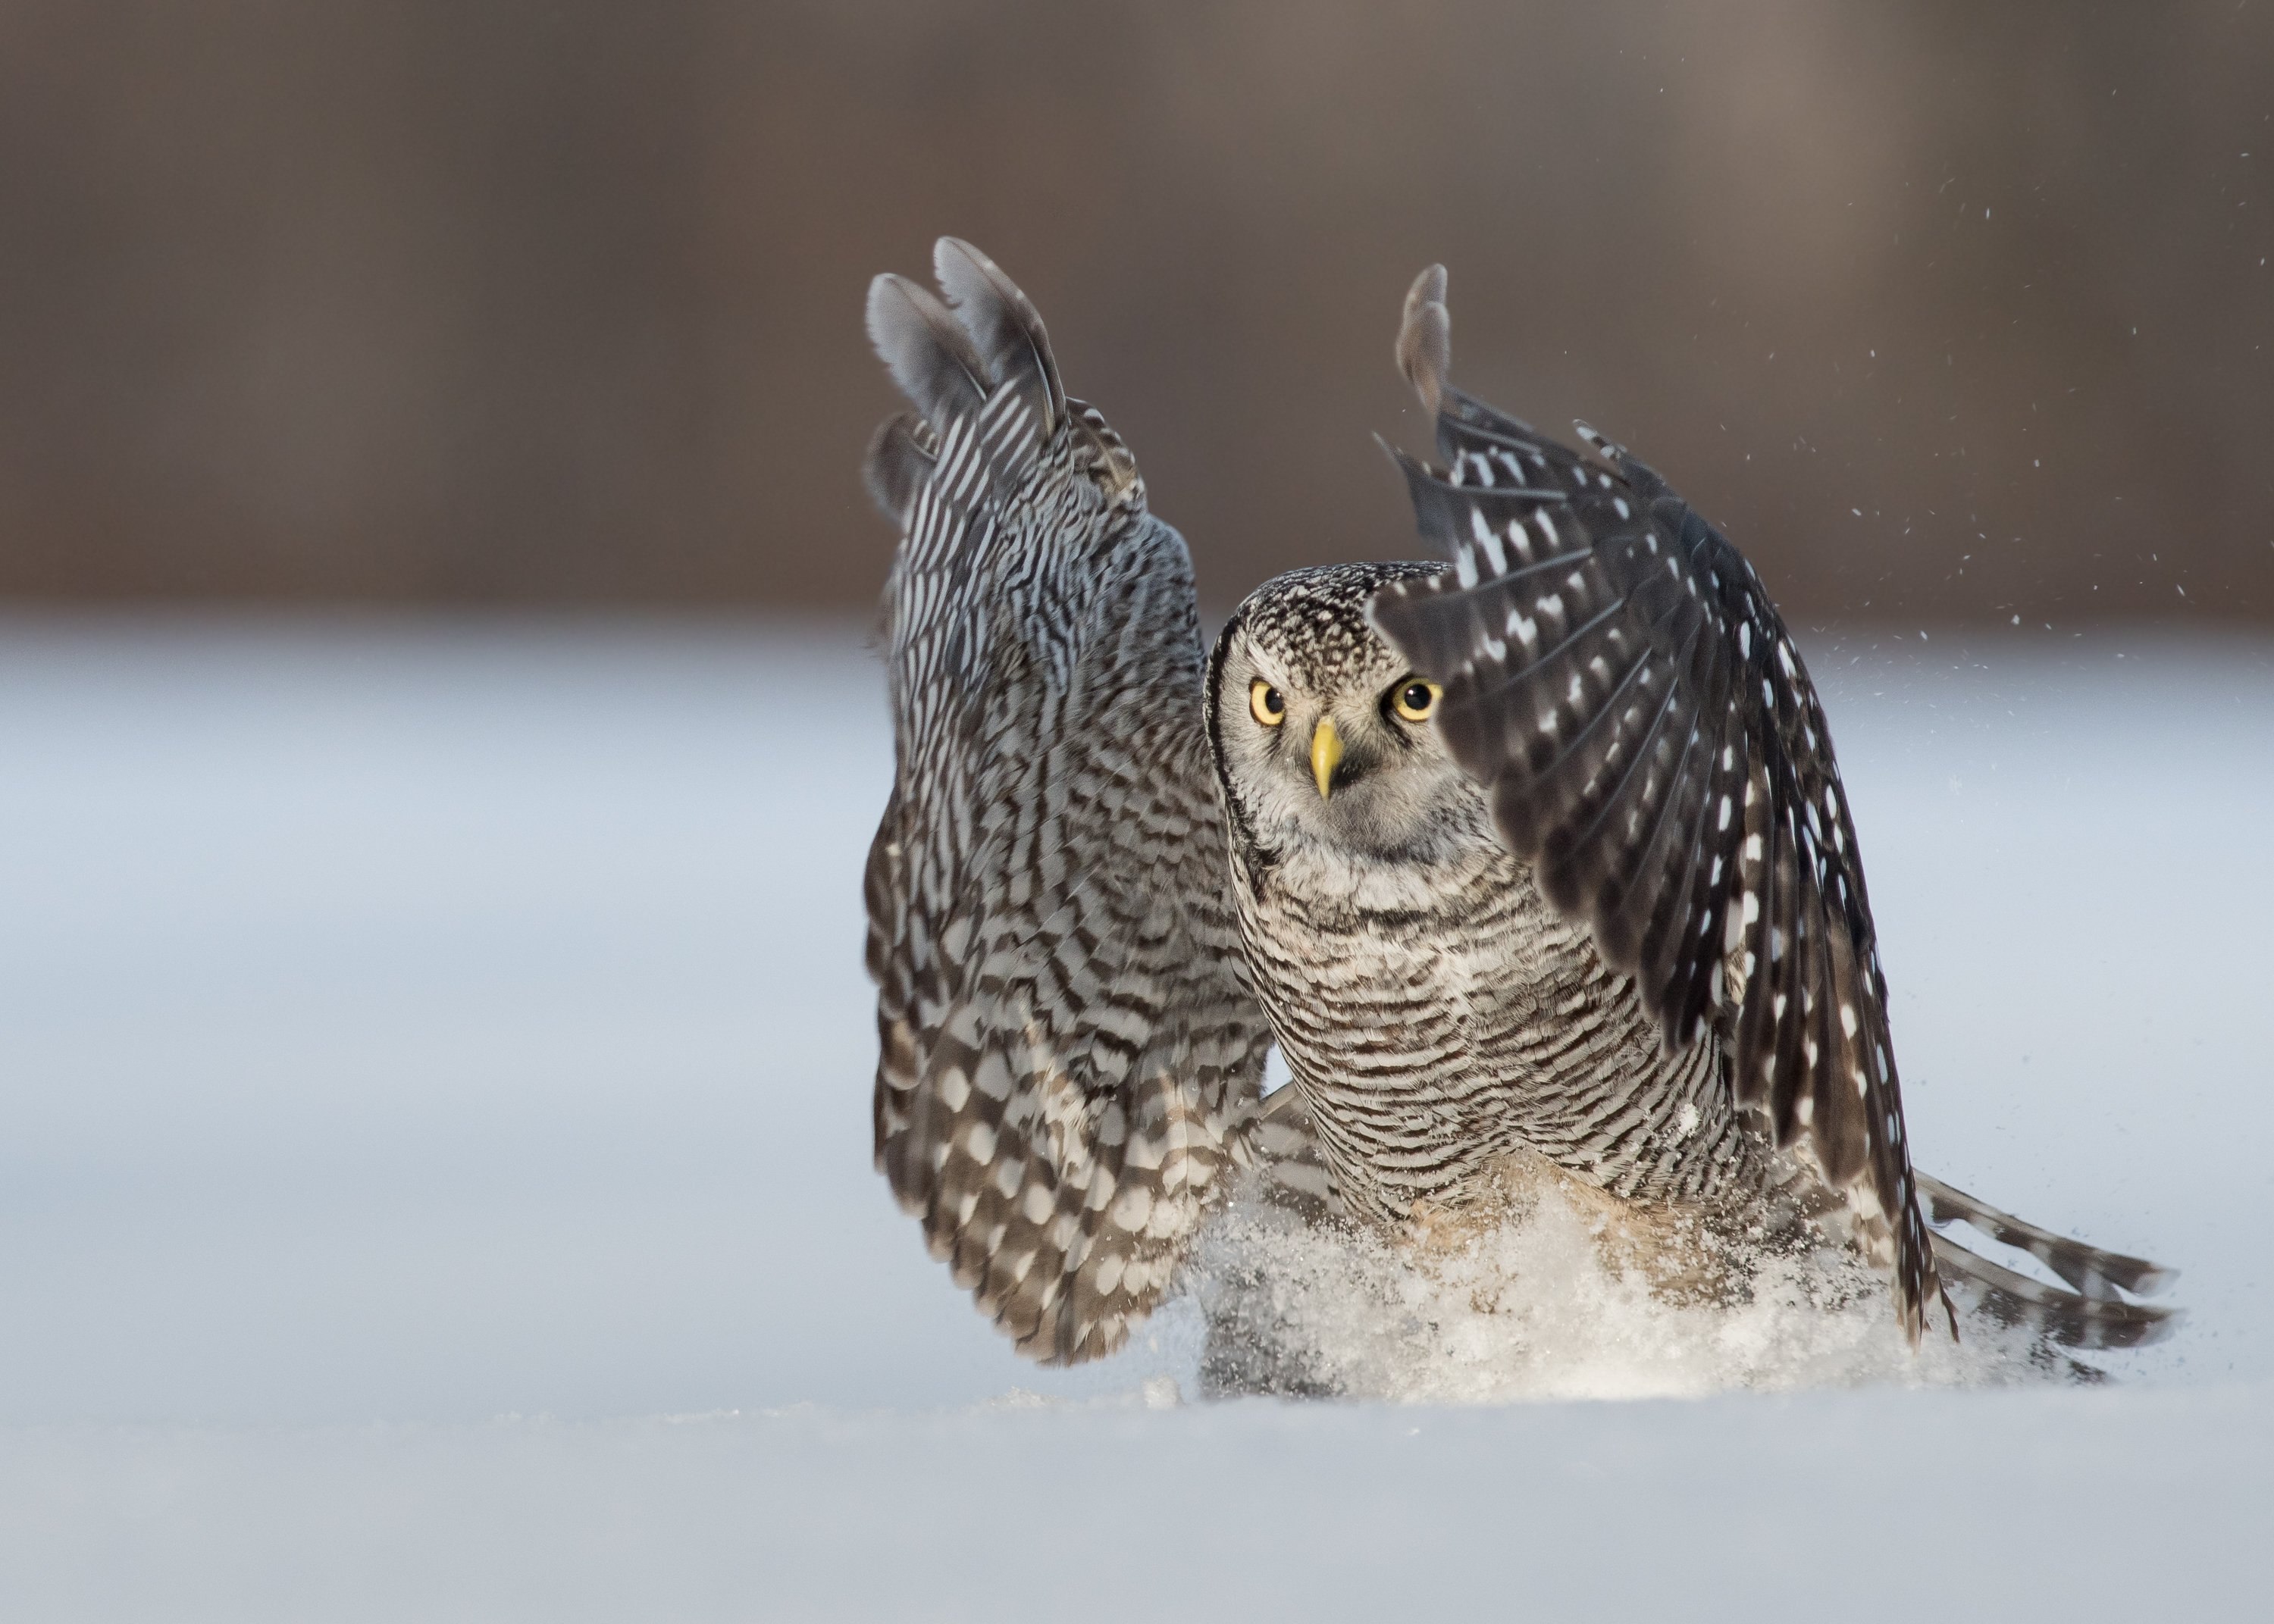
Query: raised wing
[
  {"x": 1069, "y": 1056},
  {"x": 1617, "y": 678}
]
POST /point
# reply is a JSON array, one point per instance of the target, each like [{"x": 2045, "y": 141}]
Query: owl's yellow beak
[{"x": 1326, "y": 754}]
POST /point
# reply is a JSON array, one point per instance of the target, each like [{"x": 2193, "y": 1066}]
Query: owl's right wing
[{"x": 1070, "y": 1056}]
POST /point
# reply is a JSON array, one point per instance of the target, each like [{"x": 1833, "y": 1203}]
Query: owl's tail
[{"x": 2098, "y": 1312}]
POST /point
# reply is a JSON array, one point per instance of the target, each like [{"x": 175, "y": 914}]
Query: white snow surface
[
  {"x": 410, "y": 1027},
  {"x": 1867, "y": 1506}
]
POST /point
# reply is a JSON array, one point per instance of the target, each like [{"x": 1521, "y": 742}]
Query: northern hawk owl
[{"x": 1535, "y": 854}]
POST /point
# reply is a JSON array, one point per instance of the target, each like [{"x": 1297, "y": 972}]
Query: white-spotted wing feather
[{"x": 1617, "y": 677}]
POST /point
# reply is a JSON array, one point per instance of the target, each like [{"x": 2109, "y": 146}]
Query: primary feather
[{"x": 1068, "y": 1054}]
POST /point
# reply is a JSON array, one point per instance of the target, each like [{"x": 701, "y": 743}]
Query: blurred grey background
[{"x": 1945, "y": 312}]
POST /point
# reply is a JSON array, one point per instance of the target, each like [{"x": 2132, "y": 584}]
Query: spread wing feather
[
  {"x": 1616, "y": 674},
  {"x": 1068, "y": 1054}
]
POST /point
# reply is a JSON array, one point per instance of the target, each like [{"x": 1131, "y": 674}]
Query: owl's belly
[{"x": 1437, "y": 1027}]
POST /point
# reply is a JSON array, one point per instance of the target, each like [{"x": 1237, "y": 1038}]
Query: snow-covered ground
[{"x": 427, "y": 1049}]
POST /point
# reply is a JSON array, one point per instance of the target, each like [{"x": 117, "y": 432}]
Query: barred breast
[{"x": 1439, "y": 1016}]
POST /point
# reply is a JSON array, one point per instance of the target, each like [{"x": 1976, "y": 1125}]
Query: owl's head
[{"x": 1322, "y": 733}]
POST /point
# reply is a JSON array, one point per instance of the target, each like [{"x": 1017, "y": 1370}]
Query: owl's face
[{"x": 1324, "y": 735}]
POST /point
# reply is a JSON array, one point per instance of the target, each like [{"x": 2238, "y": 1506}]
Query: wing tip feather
[
  {"x": 1003, "y": 325},
  {"x": 1425, "y": 338},
  {"x": 924, "y": 348}
]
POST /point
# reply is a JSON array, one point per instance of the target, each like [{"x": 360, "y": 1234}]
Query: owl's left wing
[{"x": 1617, "y": 678}]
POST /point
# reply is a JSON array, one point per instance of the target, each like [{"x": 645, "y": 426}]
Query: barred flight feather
[{"x": 1069, "y": 1057}]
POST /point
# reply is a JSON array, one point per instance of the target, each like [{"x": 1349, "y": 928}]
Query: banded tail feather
[
  {"x": 2065, "y": 1318},
  {"x": 2096, "y": 1312},
  {"x": 2088, "y": 1269}
]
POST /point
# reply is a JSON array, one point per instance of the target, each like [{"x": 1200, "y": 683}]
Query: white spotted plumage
[{"x": 1598, "y": 900}]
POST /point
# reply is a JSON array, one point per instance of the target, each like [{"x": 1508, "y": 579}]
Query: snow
[
  {"x": 1886, "y": 1507},
  {"x": 1531, "y": 1310},
  {"x": 405, "y": 1025}
]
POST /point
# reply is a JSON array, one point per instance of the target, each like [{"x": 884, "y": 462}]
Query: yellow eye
[
  {"x": 1414, "y": 699},
  {"x": 1267, "y": 703}
]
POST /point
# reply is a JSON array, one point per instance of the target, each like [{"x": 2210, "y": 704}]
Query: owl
[{"x": 1532, "y": 859}]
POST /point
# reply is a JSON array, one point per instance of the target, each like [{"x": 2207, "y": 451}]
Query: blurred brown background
[{"x": 1942, "y": 310}]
